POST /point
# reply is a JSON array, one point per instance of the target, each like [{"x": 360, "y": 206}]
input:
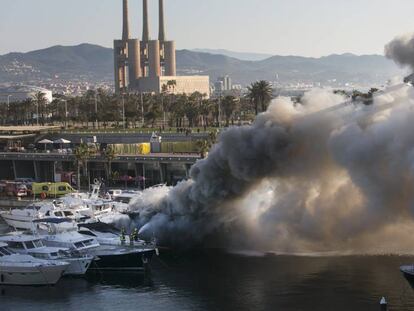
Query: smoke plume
[
  {"x": 310, "y": 177},
  {"x": 401, "y": 50}
]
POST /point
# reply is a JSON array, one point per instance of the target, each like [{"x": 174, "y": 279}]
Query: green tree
[
  {"x": 41, "y": 102},
  {"x": 260, "y": 94},
  {"x": 229, "y": 104},
  {"x": 109, "y": 155},
  {"x": 82, "y": 155}
]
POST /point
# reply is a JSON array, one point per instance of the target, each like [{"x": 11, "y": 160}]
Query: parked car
[{"x": 16, "y": 189}]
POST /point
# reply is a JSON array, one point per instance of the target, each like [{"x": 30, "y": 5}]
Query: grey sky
[{"x": 298, "y": 27}]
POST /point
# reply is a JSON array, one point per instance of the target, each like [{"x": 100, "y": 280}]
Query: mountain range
[{"x": 94, "y": 63}]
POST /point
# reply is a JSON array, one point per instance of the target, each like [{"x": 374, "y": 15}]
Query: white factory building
[{"x": 21, "y": 93}]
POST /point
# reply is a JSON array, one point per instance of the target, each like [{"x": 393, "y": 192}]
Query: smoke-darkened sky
[{"x": 296, "y": 27}]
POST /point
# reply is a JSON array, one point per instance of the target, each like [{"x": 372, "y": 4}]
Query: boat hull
[
  {"x": 18, "y": 221},
  {"x": 78, "y": 266},
  {"x": 31, "y": 276},
  {"x": 408, "y": 273},
  {"x": 130, "y": 260}
]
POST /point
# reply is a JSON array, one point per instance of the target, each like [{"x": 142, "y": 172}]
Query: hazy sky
[{"x": 295, "y": 27}]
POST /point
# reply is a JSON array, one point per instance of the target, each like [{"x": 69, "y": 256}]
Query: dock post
[{"x": 384, "y": 304}]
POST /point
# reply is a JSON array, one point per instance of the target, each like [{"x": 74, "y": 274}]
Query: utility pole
[
  {"x": 142, "y": 109},
  {"x": 37, "y": 112},
  {"x": 66, "y": 112},
  {"x": 219, "y": 110},
  {"x": 163, "y": 110},
  {"x": 96, "y": 110},
  {"x": 8, "y": 104},
  {"x": 123, "y": 110}
]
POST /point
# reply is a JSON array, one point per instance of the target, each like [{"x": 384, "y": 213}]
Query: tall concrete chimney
[
  {"x": 134, "y": 60},
  {"x": 125, "y": 21},
  {"x": 154, "y": 58},
  {"x": 145, "y": 28},
  {"x": 170, "y": 65},
  {"x": 161, "y": 34}
]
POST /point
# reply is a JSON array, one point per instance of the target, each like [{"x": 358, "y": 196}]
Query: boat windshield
[
  {"x": 38, "y": 243},
  {"x": 5, "y": 252},
  {"x": 40, "y": 255},
  {"x": 16, "y": 245},
  {"x": 33, "y": 244},
  {"x": 84, "y": 243},
  {"x": 29, "y": 245}
]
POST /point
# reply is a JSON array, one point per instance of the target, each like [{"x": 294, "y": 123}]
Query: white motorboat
[
  {"x": 31, "y": 245},
  {"x": 137, "y": 253},
  {"x": 110, "y": 255},
  {"x": 18, "y": 269},
  {"x": 23, "y": 218}
]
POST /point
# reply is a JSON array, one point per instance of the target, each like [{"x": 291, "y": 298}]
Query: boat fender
[
  {"x": 43, "y": 195},
  {"x": 157, "y": 252}
]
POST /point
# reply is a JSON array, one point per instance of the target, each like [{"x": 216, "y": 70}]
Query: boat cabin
[
  {"x": 71, "y": 240},
  {"x": 30, "y": 245}
]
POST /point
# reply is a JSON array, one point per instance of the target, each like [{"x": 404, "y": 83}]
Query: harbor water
[{"x": 218, "y": 280}]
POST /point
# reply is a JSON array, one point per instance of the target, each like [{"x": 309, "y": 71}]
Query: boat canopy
[
  {"x": 100, "y": 227},
  {"x": 53, "y": 220}
]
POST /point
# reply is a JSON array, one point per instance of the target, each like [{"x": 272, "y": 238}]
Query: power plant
[{"x": 150, "y": 65}]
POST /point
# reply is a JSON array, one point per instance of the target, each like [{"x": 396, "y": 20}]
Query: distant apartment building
[{"x": 224, "y": 86}]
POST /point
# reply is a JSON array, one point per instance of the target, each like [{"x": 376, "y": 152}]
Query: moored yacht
[
  {"x": 110, "y": 255},
  {"x": 23, "y": 218},
  {"x": 17, "y": 269},
  {"x": 34, "y": 246},
  {"x": 137, "y": 253}
]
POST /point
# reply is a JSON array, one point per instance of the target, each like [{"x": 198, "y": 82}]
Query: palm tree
[
  {"x": 41, "y": 101},
  {"x": 205, "y": 145},
  {"x": 109, "y": 154},
  {"x": 202, "y": 147},
  {"x": 260, "y": 94},
  {"x": 229, "y": 104},
  {"x": 82, "y": 154},
  {"x": 206, "y": 108},
  {"x": 191, "y": 110},
  {"x": 171, "y": 84}
]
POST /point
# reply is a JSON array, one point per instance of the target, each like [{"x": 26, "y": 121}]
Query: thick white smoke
[{"x": 300, "y": 181}]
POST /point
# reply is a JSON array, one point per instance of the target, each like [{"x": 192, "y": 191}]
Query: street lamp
[
  {"x": 142, "y": 108},
  {"x": 8, "y": 100},
  {"x": 37, "y": 112},
  {"x": 66, "y": 112},
  {"x": 96, "y": 110},
  {"x": 123, "y": 110},
  {"x": 8, "y": 104},
  {"x": 219, "y": 107}
]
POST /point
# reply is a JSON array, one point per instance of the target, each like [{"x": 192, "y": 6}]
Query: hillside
[{"x": 95, "y": 64}]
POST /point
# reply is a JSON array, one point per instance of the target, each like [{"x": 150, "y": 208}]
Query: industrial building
[
  {"x": 150, "y": 65},
  {"x": 21, "y": 93}
]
